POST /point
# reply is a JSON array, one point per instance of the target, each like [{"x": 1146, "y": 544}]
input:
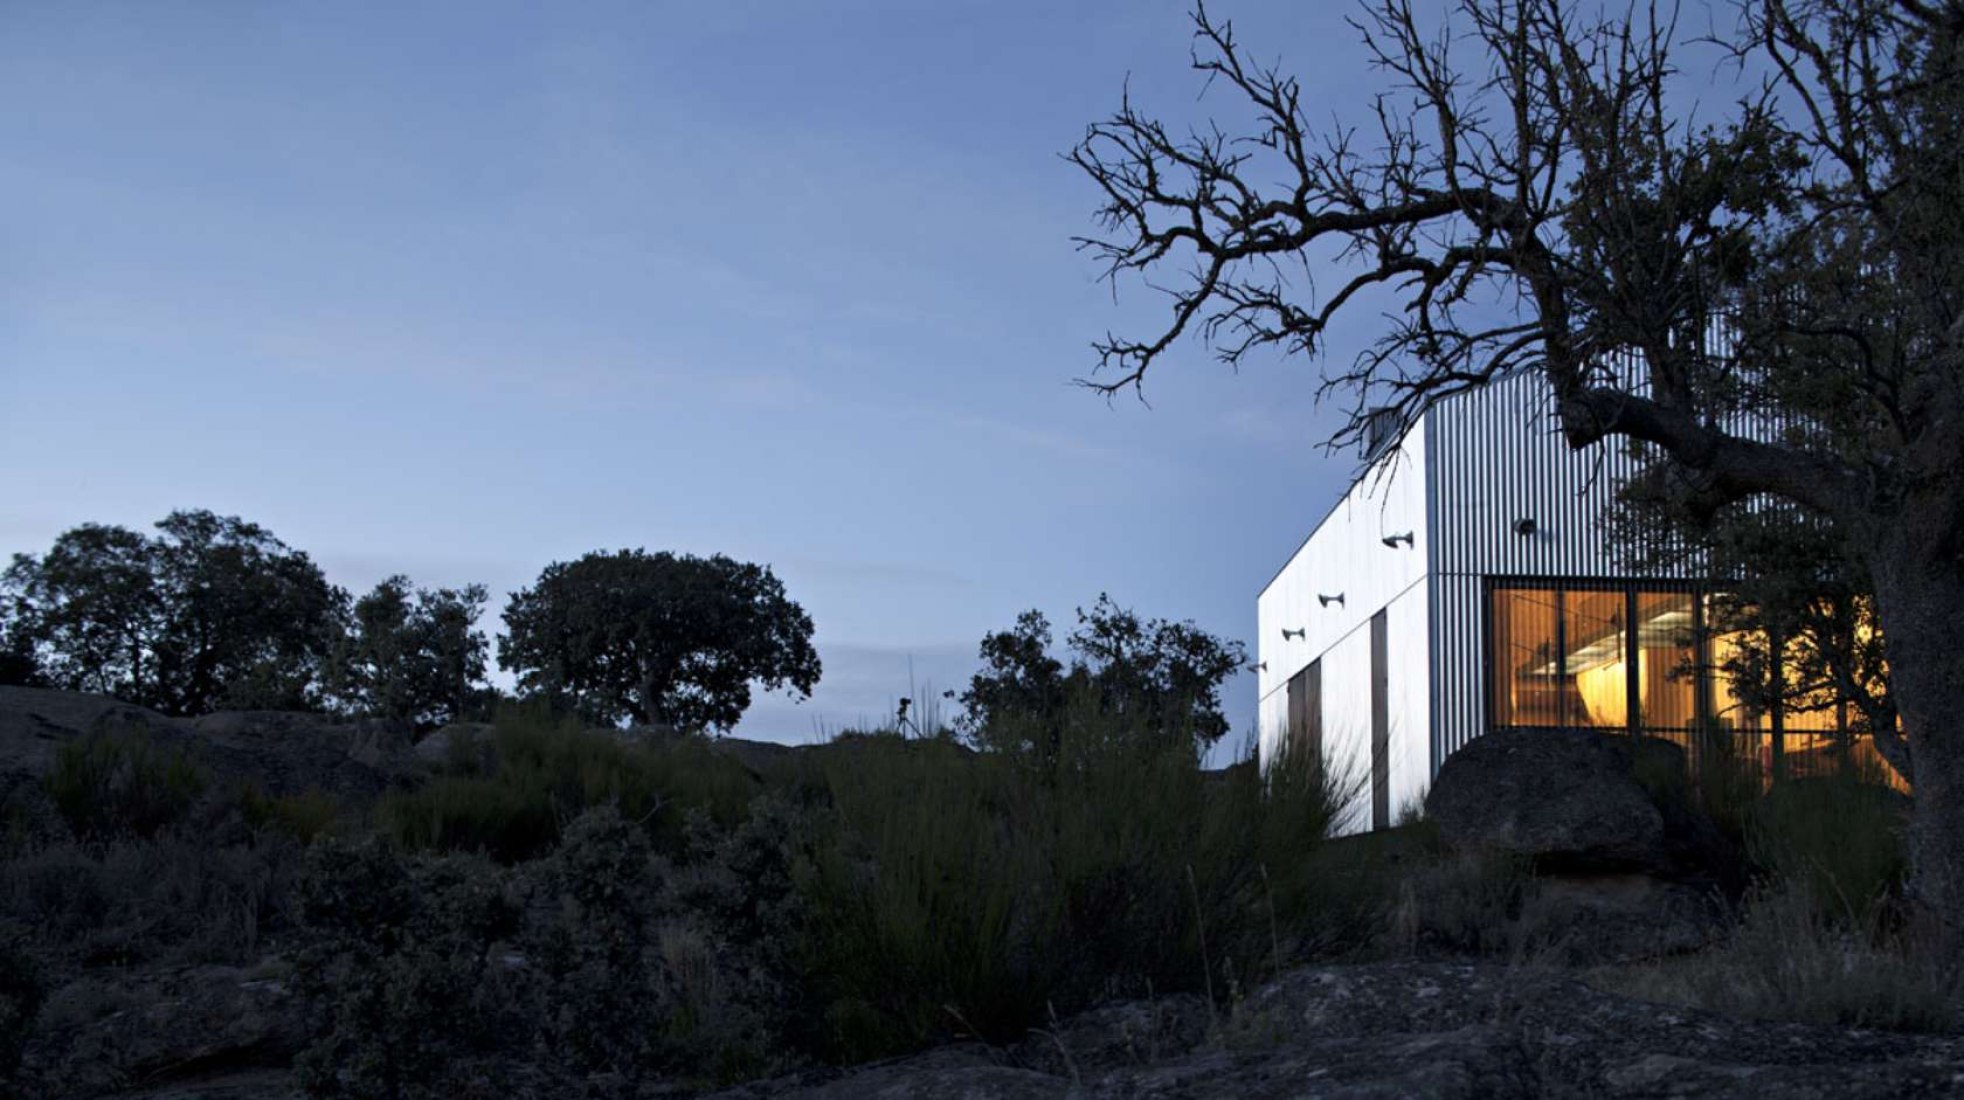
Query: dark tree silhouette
[
  {"x": 414, "y": 653},
  {"x": 1527, "y": 192},
  {"x": 666, "y": 638},
  {"x": 1160, "y": 681},
  {"x": 212, "y": 612},
  {"x": 89, "y": 611},
  {"x": 20, "y": 665}
]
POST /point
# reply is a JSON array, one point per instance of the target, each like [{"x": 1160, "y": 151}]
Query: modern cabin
[{"x": 1466, "y": 582}]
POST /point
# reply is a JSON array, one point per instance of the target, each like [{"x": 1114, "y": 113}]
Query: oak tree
[
  {"x": 1157, "y": 681},
  {"x": 1530, "y": 193},
  {"x": 415, "y": 653},
  {"x": 660, "y": 638},
  {"x": 211, "y": 612}
]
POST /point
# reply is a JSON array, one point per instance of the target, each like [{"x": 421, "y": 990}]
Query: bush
[
  {"x": 732, "y": 922},
  {"x": 1820, "y": 938},
  {"x": 607, "y": 996},
  {"x": 1791, "y": 959},
  {"x": 545, "y": 770},
  {"x": 21, "y": 994},
  {"x": 408, "y": 1000},
  {"x": 302, "y": 816},
  {"x": 120, "y": 785},
  {"x": 173, "y": 899},
  {"x": 1837, "y": 841},
  {"x": 978, "y": 892},
  {"x": 579, "y": 974}
]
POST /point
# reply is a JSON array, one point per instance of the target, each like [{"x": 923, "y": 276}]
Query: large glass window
[
  {"x": 1528, "y": 683},
  {"x": 1729, "y": 711},
  {"x": 1667, "y": 661},
  {"x": 1591, "y": 654},
  {"x": 1597, "y": 656},
  {"x": 1609, "y": 655}
]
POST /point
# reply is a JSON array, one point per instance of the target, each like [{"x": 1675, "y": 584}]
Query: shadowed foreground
[{"x": 287, "y": 905}]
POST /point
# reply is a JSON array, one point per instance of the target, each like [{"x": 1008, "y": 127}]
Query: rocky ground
[
  {"x": 1410, "y": 1029},
  {"x": 1372, "y": 1030}
]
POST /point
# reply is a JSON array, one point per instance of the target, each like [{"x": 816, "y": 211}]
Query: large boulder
[
  {"x": 1572, "y": 801},
  {"x": 276, "y": 751},
  {"x": 350, "y": 758},
  {"x": 36, "y": 722},
  {"x": 459, "y": 745},
  {"x": 171, "y": 1032}
]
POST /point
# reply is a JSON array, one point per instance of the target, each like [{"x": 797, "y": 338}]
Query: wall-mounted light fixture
[
  {"x": 1525, "y": 526},
  {"x": 1263, "y": 666},
  {"x": 1393, "y": 540},
  {"x": 1299, "y": 632},
  {"x": 1328, "y": 600}
]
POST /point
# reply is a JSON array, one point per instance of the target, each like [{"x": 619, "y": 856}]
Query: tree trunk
[
  {"x": 1920, "y": 609},
  {"x": 650, "y": 712}
]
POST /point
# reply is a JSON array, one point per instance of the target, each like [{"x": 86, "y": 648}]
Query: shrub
[
  {"x": 110, "y": 785},
  {"x": 607, "y": 997},
  {"x": 582, "y": 973},
  {"x": 408, "y": 1000},
  {"x": 508, "y": 818},
  {"x": 952, "y": 890},
  {"x": 21, "y": 993},
  {"x": 175, "y": 898},
  {"x": 545, "y": 770},
  {"x": 302, "y": 816},
  {"x": 732, "y": 920},
  {"x": 1837, "y": 841},
  {"x": 1790, "y": 958},
  {"x": 1820, "y": 937},
  {"x": 1459, "y": 903}
]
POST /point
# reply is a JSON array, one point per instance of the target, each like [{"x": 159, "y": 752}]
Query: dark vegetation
[
  {"x": 559, "y": 905},
  {"x": 559, "y": 909},
  {"x": 658, "y": 638},
  {"x": 549, "y": 903},
  {"x": 215, "y": 613}
]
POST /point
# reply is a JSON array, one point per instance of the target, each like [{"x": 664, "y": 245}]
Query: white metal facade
[{"x": 1458, "y": 481}]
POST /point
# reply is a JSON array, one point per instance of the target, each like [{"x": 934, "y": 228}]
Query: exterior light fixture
[
  {"x": 1393, "y": 540},
  {"x": 1525, "y": 526},
  {"x": 1300, "y": 632},
  {"x": 1263, "y": 666},
  {"x": 1328, "y": 600}
]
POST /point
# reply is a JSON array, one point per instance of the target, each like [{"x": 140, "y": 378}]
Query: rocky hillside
[
  {"x": 231, "y": 952},
  {"x": 282, "y": 753}
]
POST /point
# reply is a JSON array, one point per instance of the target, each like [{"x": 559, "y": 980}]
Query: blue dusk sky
[{"x": 458, "y": 290}]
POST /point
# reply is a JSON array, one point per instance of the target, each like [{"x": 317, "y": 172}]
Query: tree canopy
[
  {"x": 1159, "y": 681},
  {"x": 211, "y": 612},
  {"x": 415, "y": 653},
  {"x": 658, "y": 638}
]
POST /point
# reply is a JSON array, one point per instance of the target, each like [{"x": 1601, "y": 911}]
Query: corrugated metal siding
[
  {"x": 1500, "y": 457},
  {"x": 1458, "y": 663},
  {"x": 1497, "y": 456},
  {"x": 1489, "y": 457}
]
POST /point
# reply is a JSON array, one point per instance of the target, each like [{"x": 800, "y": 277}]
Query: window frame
[{"x": 1703, "y": 688}]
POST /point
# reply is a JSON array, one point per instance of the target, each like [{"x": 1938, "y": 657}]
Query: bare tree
[{"x": 1529, "y": 192}]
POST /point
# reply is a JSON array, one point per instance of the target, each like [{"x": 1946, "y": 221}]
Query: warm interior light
[{"x": 1605, "y": 690}]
